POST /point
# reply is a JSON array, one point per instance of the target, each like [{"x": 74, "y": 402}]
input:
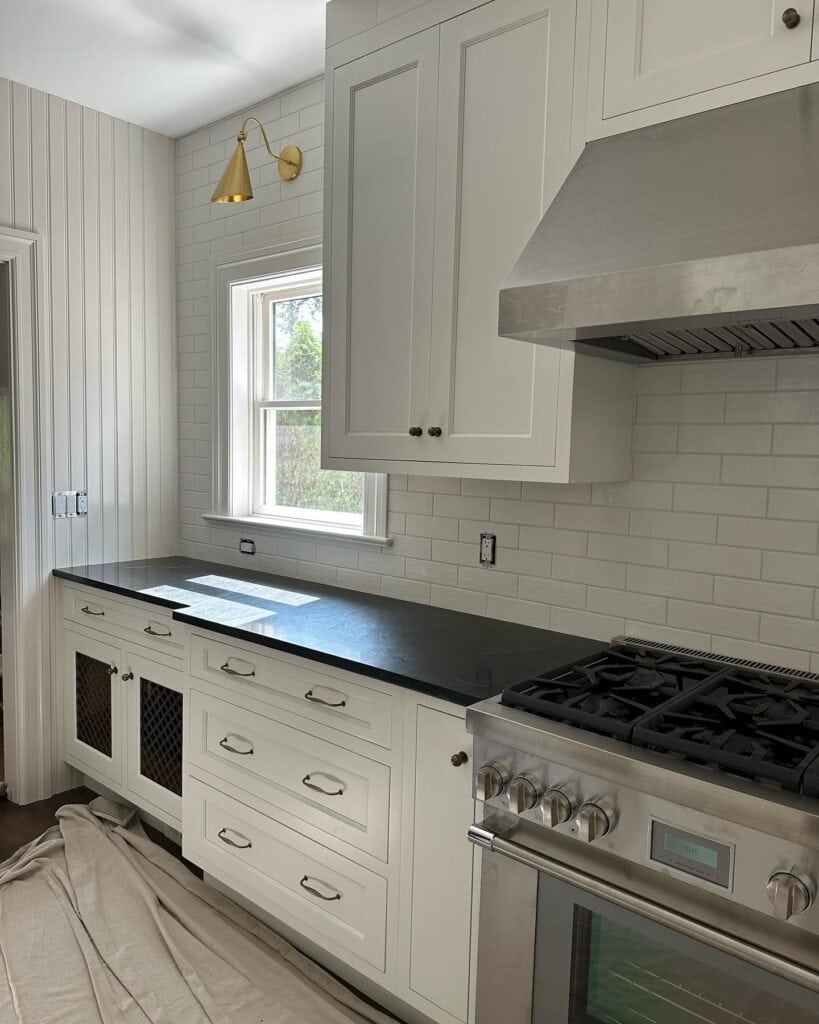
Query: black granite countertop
[{"x": 458, "y": 657}]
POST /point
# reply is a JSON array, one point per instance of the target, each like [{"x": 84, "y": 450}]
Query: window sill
[{"x": 258, "y": 524}]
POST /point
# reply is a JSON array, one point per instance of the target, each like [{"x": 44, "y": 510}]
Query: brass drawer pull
[
  {"x": 153, "y": 632},
  {"x": 88, "y": 611},
  {"x": 232, "y": 671},
  {"x": 315, "y": 892},
  {"x": 326, "y": 792},
  {"x": 226, "y": 746},
  {"x": 328, "y": 704},
  {"x": 222, "y": 833}
]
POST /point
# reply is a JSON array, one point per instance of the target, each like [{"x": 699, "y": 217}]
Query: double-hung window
[{"x": 268, "y": 429}]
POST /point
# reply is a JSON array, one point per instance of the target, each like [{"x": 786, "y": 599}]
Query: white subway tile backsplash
[{"x": 682, "y": 553}]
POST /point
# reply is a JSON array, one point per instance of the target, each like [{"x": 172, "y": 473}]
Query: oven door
[{"x": 557, "y": 946}]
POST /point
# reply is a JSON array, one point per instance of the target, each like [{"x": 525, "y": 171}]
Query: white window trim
[{"x": 233, "y": 419}]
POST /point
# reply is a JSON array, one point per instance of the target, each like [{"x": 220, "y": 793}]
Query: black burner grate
[
  {"x": 160, "y": 725},
  {"x": 92, "y": 681}
]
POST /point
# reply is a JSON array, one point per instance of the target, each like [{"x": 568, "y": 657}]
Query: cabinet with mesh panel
[{"x": 124, "y": 722}]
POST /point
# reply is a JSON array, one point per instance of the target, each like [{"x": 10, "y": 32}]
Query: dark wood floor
[{"x": 19, "y": 825}]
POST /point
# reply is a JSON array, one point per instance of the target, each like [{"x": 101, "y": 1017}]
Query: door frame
[{"x": 26, "y": 528}]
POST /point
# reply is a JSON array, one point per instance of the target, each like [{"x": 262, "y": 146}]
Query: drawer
[
  {"x": 146, "y": 624},
  {"x": 312, "y": 690},
  {"x": 286, "y": 873},
  {"x": 339, "y": 791}
]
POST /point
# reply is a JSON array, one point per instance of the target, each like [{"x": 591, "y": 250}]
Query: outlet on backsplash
[
  {"x": 487, "y": 549},
  {"x": 247, "y": 547}
]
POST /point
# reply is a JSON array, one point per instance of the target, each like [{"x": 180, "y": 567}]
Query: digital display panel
[{"x": 692, "y": 854}]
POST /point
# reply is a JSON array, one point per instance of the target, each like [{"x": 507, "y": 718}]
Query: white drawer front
[
  {"x": 148, "y": 624},
  {"x": 311, "y": 690},
  {"x": 285, "y": 872},
  {"x": 337, "y": 790}
]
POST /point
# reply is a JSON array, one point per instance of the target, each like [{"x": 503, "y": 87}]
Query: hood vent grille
[{"x": 769, "y": 337}]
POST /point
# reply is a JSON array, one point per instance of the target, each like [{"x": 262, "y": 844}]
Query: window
[{"x": 268, "y": 407}]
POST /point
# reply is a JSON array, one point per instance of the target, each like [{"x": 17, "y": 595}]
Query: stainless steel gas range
[{"x": 650, "y": 838}]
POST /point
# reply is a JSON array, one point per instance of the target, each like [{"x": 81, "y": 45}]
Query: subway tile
[
  {"x": 674, "y": 525},
  {"x": 554, "y": 592},
  {"x": 461, "y": 507},
  {"x": 739, "y": 438},
  {"x": 387, "y": 565},
  {"x": 598, "y": 627},
  {"x": 798, "y": 372},
  {"x": 527, "y": 563},
  {"x": 634, "y": 494},
  {"x": 334, "y": 554},
  {"x": 353, "y": 579},
  {"x": 405, "y": 590},
  {"x": 545, "y": 538},
  {"x": 771, "y": 471},
  {"x": 742, "y": 531},
  {"x": 782, "y": 631},
  {"x": 783, "y": 568},
  {"x": 658, "y": 379},
  {"x": 732, "y": 374},
  {"x": 696, "y": 469},
  {"x": 761, "y": 596},
  {"x": 511, "y": 609},
  {"x": 434, "y": 484},
  {"x": 653, "y": 437},
  {"x": 713, "y": 558},
  {"x": 432, "y": 526},
  {"x": 796, "y": 439},
  {"x": 777, "y": 407},
  {"x": 709, "y": 618},
  {"x": 589, "y": 570},
  {"x": 524, "y": 513},
  {"x": 454, "y": 552},
  {"x": 457, "y": 600},
  {"x": 489, "y": 581},
  {"x": 416, "y": 502},
  {"x": 692, "y": 586},
  {"x": 719, "y": 498},
  {"x": 411, "y": 547},
  {"x": 784, "y": 503},
  {"x": 634, "y": 550},
  {"x": 680, "y": 409},
  {"x": 491, "y": 488},
  {"x": 396, "y": 522},
  {"x": 632, "y": 605},
  {"x": 432, "y": 572},
  {"x": 575, "y": 494},
  {"x": 592, "y": 518}
]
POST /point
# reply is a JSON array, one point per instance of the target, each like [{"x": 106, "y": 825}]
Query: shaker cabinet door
[
  {"x": 154, "y": 734},
  {"x": 93, "y": 706},
  {"x": 504, "y": 124},
  {"x": 379, "y": 292},
  {"x": 662, "y": 50}
]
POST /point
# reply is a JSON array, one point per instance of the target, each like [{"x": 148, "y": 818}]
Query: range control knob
[
  {"x": 523, "y": 793},
  {"x": 789, "y": 894},
  {"x": 556, "y": 807},
  {"x": 593, "y": 822},
  {"x": 490, "y": 780}
]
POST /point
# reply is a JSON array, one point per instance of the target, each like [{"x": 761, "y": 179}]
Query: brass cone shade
[{"x": 234, "y": 186}]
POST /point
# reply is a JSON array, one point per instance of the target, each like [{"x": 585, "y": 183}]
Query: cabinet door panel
[
  {"x": 154, "y": 727},
  {"x": 661, "y": 50},
  {"x": 441, "y": 863},
  {"x": 503, "y": 151},
  {"x": 383, "y": 198},
  {"x": 93, "y": 706}
]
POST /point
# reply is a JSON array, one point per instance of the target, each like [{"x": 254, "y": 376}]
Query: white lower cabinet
[{"x": 124, "y": 714}]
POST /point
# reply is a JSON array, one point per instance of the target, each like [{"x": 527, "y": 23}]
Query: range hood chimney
[{"x": 693, "y": 238}]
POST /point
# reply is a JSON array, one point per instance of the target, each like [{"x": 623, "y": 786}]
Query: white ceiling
[{"x": 171, "y": 65}]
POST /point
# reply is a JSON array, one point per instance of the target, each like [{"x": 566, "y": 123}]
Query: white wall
[
  {"x": 100, "y": 193},
  {"x": 713, "y": 544}
]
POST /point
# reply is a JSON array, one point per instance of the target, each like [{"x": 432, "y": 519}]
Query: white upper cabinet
[
  {"x": 652, "y": 60},
  {"x": 447, "y": 147}
]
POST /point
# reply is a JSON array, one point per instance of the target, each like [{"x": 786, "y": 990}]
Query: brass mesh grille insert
[
  {"x": 93, "y": 697},
  {"x": 160, "y": 727}
]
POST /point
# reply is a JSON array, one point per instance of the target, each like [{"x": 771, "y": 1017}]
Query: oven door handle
[{"x": 483, "y": 835}]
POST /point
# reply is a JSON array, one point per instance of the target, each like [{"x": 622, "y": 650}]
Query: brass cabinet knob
[
  {"x": 458, "y": 759},
  {"x": 791, "y": 17},
  {"x": 415, "y": 431},
  {"x": 434, "y": 431}
]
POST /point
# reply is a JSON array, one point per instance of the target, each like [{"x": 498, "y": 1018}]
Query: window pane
[
  {"x": 291, "y": 476},
  {"x": 295, "y": 332}
]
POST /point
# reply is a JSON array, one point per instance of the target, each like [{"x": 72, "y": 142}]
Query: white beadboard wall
[
  {"x": 712, "y": 544},
  {"x": 100, "y": 193}
]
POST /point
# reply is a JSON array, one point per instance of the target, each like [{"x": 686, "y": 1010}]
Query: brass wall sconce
[{"x": 234, "y": 185}]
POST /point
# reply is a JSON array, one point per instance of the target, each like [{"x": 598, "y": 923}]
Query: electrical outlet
[
  {"x": 247, "y": 547},
  {"x": 487, "y": 550}
]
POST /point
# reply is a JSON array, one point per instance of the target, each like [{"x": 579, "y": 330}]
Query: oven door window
[{"x": 601, "y": 965}]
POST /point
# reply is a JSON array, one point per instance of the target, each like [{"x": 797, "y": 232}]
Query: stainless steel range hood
[{"x": 693, "y": 238}]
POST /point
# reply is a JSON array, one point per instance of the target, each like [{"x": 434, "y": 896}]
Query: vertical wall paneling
[{"x": 99, "y": 195}]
